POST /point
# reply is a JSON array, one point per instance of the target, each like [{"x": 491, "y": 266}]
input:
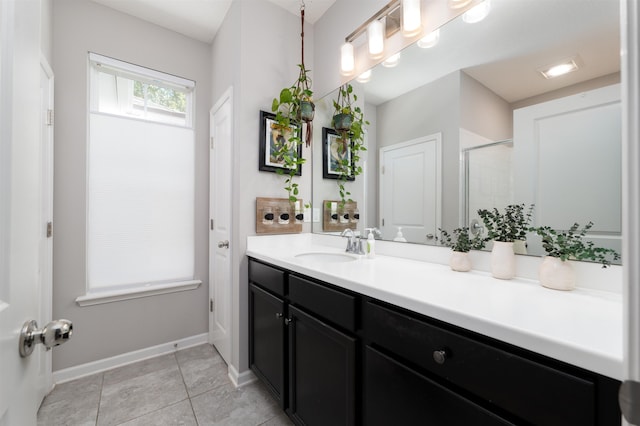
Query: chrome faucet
[{"x": 354, "y": 244}]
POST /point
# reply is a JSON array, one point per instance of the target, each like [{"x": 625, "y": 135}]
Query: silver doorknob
[
  {"x": 223, "y": 244},
  {"x": 53, "y": 334}
]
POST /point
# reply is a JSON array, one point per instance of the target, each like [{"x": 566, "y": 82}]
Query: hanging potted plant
[
  {"x": 504, "y": 228},
  {"x": 555, "y": 271},
  {"x": 293, "y": 109},
  {"x": 349, "y": 122},
  {"x": 460, "y": 243}
]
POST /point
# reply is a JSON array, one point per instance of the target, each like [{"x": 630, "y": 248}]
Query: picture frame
[
  {"x": 268, "y": 136},
  {"x": 332, "y": 153}
]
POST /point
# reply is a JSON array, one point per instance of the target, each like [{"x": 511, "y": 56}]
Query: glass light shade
[
  {"x": 365, "y": 77},
  {"x": 347, "y": 61},
  {"x": 411, "y": 17},
  {"x": 375, "y": 36},
  {"x": 477, "y": 13},
  {"x": 430, "y": 39},
  {"x": 391, "y": 61}
]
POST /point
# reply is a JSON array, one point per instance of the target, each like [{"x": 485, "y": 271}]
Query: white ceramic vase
[
  {"x": 556, "y": 274},
  {"x": 460, "y": 261},
  {"x": 503, "y": 260}
]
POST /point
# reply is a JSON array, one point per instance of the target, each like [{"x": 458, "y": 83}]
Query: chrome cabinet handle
[
  {"x": 288, "y": 321},
  {"x": 223, "y": 244},
  {"x": 278, "y": 315},
  {"x": 440, "y": 356}
]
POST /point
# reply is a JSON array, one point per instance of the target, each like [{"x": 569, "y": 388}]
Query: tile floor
[{"x": 189, "y": 387}]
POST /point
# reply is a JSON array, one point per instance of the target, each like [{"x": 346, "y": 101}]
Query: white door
[
  {"x": 410, "y": 189},
  {"x": 45, "y": 378},
  {"x": 220, "y": 276},
  {"x": 20, "y": 189}
]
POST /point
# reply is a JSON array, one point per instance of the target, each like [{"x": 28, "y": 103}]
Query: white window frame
[{"x": 106, "y": 294}]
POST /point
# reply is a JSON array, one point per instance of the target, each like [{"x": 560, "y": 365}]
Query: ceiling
[
  {"x": 505, "y": 51},
  {"x": 201, "y": 19}
]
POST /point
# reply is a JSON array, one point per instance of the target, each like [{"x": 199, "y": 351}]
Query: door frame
[{"x": 227, "y": 96}]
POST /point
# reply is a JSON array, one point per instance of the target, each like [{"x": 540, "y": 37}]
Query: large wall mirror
[{"x": 472, "y": 123}]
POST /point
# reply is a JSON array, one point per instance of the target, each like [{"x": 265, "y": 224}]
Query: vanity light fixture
[
  {"x": 557, "y": 70},
  {"x": 430, "y": 39},
  {"x": 365, "y": 77},
  {"x": 411, "y": 18},
  {"x": 477, "y": 13},
  {"x": 347, "y": 60},
  {"x": 391, "y": 61},
  {"x": 375, "y": 37}
]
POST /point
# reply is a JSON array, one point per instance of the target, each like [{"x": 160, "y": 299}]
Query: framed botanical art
[
  {"x": 272, "y": 136},
  {"x": 334, "y": 151}
]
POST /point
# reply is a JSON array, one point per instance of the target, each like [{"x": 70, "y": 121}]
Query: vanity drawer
[
  {"x": 530, "y": 390},
  {"x": 334, "y": 305},
  {"x": 267, "y": 277}
]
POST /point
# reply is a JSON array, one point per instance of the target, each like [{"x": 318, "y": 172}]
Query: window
[{"x": 140, "y": 188}]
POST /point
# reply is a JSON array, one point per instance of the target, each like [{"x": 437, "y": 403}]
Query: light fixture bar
[{"x": 382, "y": 12}]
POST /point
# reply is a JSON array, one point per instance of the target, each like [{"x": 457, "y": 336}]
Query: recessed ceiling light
[{"x": 559, "y": 69}]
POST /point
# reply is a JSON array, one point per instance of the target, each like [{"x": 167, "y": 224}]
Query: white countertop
[{"x": 582, "y": 327}]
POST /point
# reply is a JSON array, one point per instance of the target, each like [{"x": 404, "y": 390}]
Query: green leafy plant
[
  {"x": 459, "y": 240},
  {"x": 570, "y": 244},
  {"x": 293, "y": 106},
  {"x": 349, "y": 122},
  {"x": 508, "y": 226}
]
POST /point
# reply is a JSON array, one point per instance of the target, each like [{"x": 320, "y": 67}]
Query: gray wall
[
  {"x": 258, "y": 60},
  {"x": 432, "y": 108},
  {"x": 111, "y": 329}
]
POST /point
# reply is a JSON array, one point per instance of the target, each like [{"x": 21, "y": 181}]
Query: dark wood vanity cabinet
[
  {"x": 302, "y": 345},
  {"x": 333, "y": 357}
]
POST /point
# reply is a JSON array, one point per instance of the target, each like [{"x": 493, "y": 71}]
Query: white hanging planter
[
  {"x": 556, "y": 274},
  {"x": 503, "y": 260},
  {"x": 460, "y": 261}
]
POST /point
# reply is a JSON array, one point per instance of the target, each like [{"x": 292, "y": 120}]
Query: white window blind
[{"x": 140, "y": 216}]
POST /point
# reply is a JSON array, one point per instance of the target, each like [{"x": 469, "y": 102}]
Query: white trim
[
  {"x": 144, "y": 71},
  {"x": 83, "y": 370},
  {"x": 630, "y": 48},
  {"x": 134, "y": 293},
  {"x": 241, "y": 379}
]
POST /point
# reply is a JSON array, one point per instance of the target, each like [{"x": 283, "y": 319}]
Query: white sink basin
[{"x": 327, "y": 257}]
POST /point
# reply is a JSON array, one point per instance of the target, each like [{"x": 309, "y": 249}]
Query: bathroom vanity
[{"x": 335, "y": 349}]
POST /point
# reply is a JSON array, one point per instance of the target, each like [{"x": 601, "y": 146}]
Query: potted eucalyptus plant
[
  {"x": 505, "y": 227},
  {"x": 348, "y": 120},
  {"x": 460, "y": 243},
  {"x": 555, "y": 271}
]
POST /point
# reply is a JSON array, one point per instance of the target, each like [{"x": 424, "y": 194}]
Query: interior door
[
  {"x": 410, "y": 189},
  {"x": 45, "y": 377},
  {"x": 19, "y": 205},
  {"x": 220, "y": 275}
]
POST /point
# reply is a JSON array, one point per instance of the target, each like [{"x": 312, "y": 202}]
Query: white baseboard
[
  {"x": 241, "y": 379},
  {"x": 101, "y": 365}
]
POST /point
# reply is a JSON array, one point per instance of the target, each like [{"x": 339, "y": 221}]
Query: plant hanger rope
[{"x": 303, "y": 69}]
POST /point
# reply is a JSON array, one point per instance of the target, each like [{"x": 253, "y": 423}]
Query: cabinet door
[
  {"x": 321, "y": 372},
  {"x": 267, "y": 340},
  {"x": 396, "y": 395}
]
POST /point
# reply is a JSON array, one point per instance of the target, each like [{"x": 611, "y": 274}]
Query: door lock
[
  {"x": 223, "y": 244},
  {"x": 53, "y": 334}
]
